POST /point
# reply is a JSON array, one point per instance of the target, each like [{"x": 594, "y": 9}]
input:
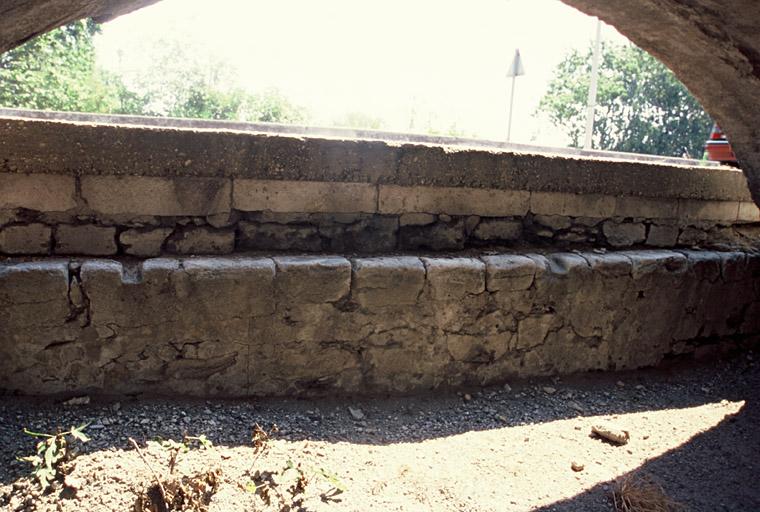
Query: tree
[
  {"x": 57, "y": 71},
  {"x": 641, "y": 105}
]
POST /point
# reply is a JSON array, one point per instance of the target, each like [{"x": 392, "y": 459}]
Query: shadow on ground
[{"x": 715, "y": 470}]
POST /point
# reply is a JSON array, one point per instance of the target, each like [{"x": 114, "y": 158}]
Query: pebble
[
  {"x": 507, "y": 388},
  {"x": 577, "y": 466},
  {"x": 549, "y": 390},
  {"x": 467, "y": 397},
  {"x": 356, "y": 413}
]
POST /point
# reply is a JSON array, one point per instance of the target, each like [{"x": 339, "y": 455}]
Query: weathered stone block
[
  {"x": 416, "y": 219},
  {"x": 279, "y": 237},
  {"x": 554, "y": 222},
  {"x": 624, "y": 234},
  {"x": 509, "y": 272},
  {"x": 26, "y": 239},
  {"x": 748, "y": 212},
  {"x": 304, "y": 196},
  {"x": 391, "y": 281},
  {"x": 201, "y": 240},
  {"x": 375, "y": 234},
  {"x": 532, "y": 330},
  {"x": 662, "y": 236},
  {"x": 453, "y": 201},
  {"x": 692, "y": 236},
  {"x": 440, "y": 236},
  {"x": 86, "y": 240},
  {"x": 455, "y": 278},
  {"x": 144, "y": 242},
  {"x": 572, "y": 205},
  {"x": 647, "y": 208},
  {"x": 692, "y": 209},
  {"x": 646, "y": 263},
  {"x": 495, "y": 229},
  {"x": 41, "y": 192},
  {"x": 145, "y": 195},
  {"x": 313, "y": 279}
]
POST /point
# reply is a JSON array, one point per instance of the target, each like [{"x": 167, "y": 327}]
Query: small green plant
[
  {"x": 53, "y": 450},
  {"x": 188, "y": 442},
  {"x": 287, "y": 488}
]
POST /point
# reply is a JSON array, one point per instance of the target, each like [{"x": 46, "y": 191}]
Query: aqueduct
[{"x": 225, "y": 260}]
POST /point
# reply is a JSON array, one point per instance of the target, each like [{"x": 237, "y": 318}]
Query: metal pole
[
  {"x": 511, "y": 104},
  {"x": 592, "y": 87}
]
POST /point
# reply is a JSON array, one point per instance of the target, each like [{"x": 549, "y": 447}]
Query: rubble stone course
[{"x": 311, "y": 325}]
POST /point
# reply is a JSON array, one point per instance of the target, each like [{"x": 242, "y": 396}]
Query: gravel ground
[{"x": 693, "y": 429}]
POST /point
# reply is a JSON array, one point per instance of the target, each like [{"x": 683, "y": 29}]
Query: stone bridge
[{"x": 219, "y": 260}]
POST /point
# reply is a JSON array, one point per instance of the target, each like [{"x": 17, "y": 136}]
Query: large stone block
[
  {"x": 509, "y": 272},
  {"x": 304, "y": 196},
  {"x": 391, "y": 281},
  {"x": 572, "y": 205},
  {"x": 201, "y": 240},
  {"x": 453, "y": 201},
  {"x": 41, "y": 192},
  {"x": 86, "y": 240},
  {"x": 498, "y": 229},
  {"x": 455, "y": 278},
  {"x": 312, "y": 279},
  {"x": 145, "y": 195},
  {"x": 693, "y": 209},
  {"x": 278, "y": 237},
  {"x": 25, "y": 239},
  {"x": 144, "y": 242},
  {"x": 645, "y": 207},
  {"x": 624, "y": 234}
]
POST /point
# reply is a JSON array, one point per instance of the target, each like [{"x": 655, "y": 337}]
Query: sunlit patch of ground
[{"x": 426, "y": 453}]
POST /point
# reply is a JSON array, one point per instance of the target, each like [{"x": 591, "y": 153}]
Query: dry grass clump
[{"x": 635, "y": 493}]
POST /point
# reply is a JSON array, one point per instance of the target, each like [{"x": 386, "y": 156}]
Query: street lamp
[{"x": 515, "y": 69}]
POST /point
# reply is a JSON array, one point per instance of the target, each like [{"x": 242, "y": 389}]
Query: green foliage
[
  {"x": 57, "y": 71},
  {"x": 51, "y": 452},
  {"x": 641, "y": 105}
]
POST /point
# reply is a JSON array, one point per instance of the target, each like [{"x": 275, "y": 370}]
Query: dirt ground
[{"x": 693, "y": 429}]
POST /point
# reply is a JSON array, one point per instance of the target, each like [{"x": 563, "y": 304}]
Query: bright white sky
[{"x": 442, "y": 62}]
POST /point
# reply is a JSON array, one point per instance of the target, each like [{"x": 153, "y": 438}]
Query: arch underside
[{"x": 713, "y": 46}]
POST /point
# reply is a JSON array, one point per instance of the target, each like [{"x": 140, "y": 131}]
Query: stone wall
[
  {"x": 312, "y": 325},
  {"x": 104, "y": 190},
  {"x": 352, "y": 266}
]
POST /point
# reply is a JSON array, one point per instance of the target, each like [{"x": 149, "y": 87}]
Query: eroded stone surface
[{"x": 315, "y": 325}]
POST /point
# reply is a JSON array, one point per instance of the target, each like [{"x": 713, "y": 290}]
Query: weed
[
  {"x": 53, "y": 450},
  {"x": 634, "y": 493},
  {"x": 286, "y": 488}
]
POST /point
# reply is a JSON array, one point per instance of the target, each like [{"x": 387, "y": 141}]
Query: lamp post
[
  {"x": 515, "y": 69},
  {"x": 592, "y": 87}
]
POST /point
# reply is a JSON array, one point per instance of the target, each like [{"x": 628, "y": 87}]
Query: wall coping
[{"x": 55, "y": 146}]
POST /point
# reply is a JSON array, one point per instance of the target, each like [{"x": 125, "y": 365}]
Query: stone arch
[{"x": 713, "y": 46}]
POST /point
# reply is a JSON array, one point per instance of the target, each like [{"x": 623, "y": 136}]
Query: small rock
[
  {"x": 577, "y": 466},
  {"x": 357, "y": 414},
  {"x": 575, "y": 405},
  {"x": 611, "y": 434},
  {"x": 116, "y": 406},
  {"x": 72, "y": 482},
  {"x": 501, "y": 418},
  {"x": 467, "y": 397},
  {"x": 507, "y": 388},
  {"x": 549, "y": 390},
  {"x": 78, "y": 400},
  {"x": 620, "y": 384},
  {"x": 640, "y": 387}
]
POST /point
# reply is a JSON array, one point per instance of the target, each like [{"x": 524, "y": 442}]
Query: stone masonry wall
[
  {"x": 319, "y": 324},
  {"x": 97, "y": 190}
]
